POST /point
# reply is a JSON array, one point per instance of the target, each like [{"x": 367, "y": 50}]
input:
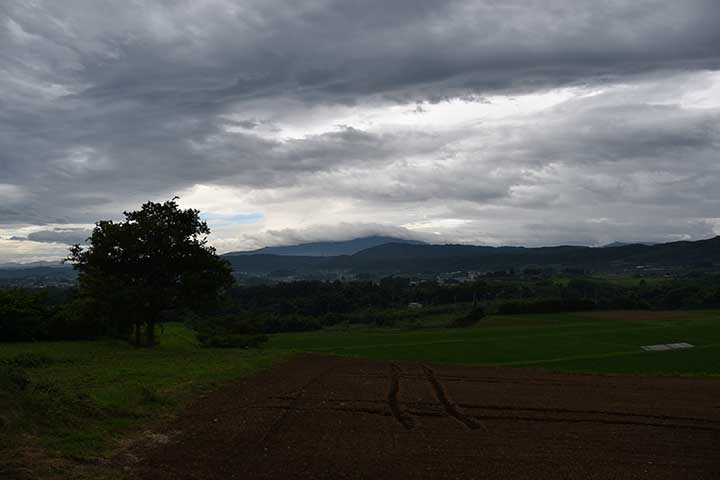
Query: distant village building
[{"x": 415, "y": 305}]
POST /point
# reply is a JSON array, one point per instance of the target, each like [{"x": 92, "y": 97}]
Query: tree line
[
  {"x": 156, "y": 266},
  {"x": 307, "y": 305}
]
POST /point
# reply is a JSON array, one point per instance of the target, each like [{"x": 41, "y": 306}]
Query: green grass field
[
  {"x": 90, "y": 394},
  {"x": 567, "y": 342},
  {"x": 91, "y": 391}
]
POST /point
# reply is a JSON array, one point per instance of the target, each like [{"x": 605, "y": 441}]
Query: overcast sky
[{"x": 523, "y": 122}]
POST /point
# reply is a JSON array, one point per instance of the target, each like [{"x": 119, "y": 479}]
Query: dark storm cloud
[
  {"x": 67, "y": 236},
  {"x": 199, "y": 54},
  {"x": 601, "y": 150},
  {"x": 104, "y": 104}
]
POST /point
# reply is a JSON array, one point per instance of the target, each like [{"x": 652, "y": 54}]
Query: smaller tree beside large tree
[{"x": 155, "y": 261}]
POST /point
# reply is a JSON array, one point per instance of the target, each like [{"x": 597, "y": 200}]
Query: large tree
[{"x": 156, "y": 260}]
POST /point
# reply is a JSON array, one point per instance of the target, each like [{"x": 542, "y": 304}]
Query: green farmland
[
  {"x": 569, "y": 342},
  {"x": 84, "y": 397}
]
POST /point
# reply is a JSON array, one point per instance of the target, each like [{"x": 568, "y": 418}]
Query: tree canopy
[{"x": 135, "y": 272}]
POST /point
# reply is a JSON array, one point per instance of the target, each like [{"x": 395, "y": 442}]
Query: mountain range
[
  {"x": 405, "y": 257},
  {"x": 327, "y": 249},
  {"x": 381, "y": 255}
]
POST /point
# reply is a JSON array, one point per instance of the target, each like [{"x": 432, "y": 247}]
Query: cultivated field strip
[{"x": 331, "y": 417}]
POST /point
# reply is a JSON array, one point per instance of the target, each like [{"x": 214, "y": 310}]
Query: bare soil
[
  {"x": 637, "y": 314},
  {"x": 320, "y": 417}
]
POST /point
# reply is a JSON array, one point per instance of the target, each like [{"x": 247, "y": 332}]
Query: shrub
[
  {"x": 229, "y": 331},
  {"x": 77, "y": 320},
  {"x": 469, "y": 319},
  {"x": 23, "y": 315},
  {"x": 383, "y": 320},
  {"x": 377, "y": 318},
  {"x": 331, "y": 319},
  {"x": 28, "y": 316},
  {"x": 290, "y": 323},
  {"x": 231, "y": 340}
]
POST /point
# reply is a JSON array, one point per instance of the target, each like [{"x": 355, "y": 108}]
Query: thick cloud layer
[{"x": 522, "y": 121}]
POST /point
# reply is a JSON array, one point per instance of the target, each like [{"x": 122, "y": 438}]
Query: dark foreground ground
[{"x": 327, "y": 417}]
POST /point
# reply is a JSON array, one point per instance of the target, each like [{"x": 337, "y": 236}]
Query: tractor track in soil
[
  {"x": 448, "y": 405},
  {"x": 323, "y": 417},
  {"x": 393, "y": 403}
]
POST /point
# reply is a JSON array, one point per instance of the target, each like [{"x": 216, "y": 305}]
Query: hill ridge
[{"x": 326, "y": 248}]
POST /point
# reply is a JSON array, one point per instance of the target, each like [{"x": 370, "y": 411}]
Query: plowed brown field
[{"x": 327, "y": 417}]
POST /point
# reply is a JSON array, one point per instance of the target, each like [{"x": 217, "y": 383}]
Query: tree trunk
[
  {"x": 138, "y": 338},
  {"x": 151, "y": 332}
]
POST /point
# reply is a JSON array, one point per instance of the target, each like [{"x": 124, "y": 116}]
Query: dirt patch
[
  {"x": 637, "y": 314},
  {"x": 321, "y": 417}
]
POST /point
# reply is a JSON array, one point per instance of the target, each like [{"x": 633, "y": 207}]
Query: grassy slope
[
  {"x": 554, "y": 341},
  {"x": 94, "y": 390}
]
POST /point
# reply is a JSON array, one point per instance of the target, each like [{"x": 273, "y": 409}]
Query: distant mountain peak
[
  {"x": 328, "y": 248},
  {"x": 625, "y": 244}
]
